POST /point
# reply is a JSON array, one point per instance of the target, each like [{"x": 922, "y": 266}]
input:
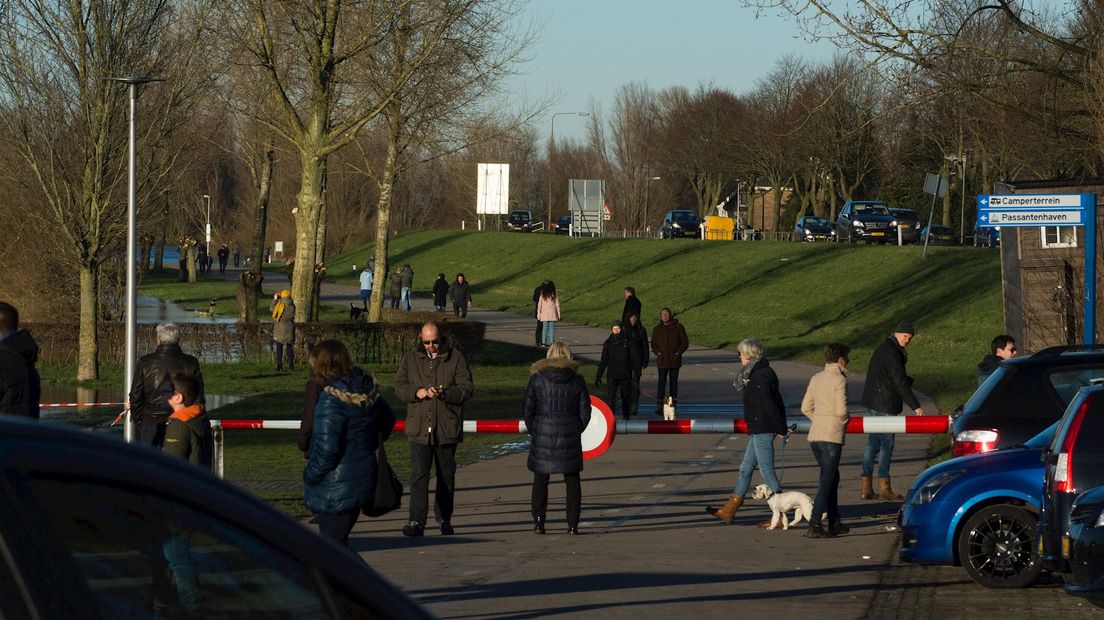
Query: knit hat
[
  {"x": 285, "y": 293},
  {"x": 904, "y": 327},
  {"x": 616, "y": 324}
]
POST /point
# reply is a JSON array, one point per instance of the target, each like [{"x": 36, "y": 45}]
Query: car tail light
[
  {"x": 1063, "y": 468},
  {"x": 972, "y": 442}
]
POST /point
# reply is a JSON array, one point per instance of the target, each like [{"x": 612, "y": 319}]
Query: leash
[{"x": 785, "y": 440}]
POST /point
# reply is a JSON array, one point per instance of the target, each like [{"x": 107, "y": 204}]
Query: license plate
[
  {"x": 877, "y": 234},
  {"x": 1065, "y": 546},
  {"x": 822, "y": 236},
  {"x": 903, "y": 225}
]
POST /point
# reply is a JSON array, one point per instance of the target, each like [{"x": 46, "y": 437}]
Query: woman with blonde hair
[
  {"x": 557, "y": 410},
  {"x": 283, "y": 330}
]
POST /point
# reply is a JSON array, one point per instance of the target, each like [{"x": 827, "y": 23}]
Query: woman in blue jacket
[{"x": 350, "y": 420}]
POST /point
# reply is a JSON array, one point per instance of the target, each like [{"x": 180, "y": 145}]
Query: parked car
[
  {"x": 865, "y": 220},
  {"x": 1086, "y": 546},
  {"x": 815, "y": 228},
  {"x": 563, "y": 225},
  {"x": 680, "y": 224},
  {"x": 987, "y": 236},
  {"x": 980, "y": 512},
  {"x": 520, "y": 221},
  {"x": 938, "y": 235},
  {"x": 907, "y": 223},
  {"x": 89, "y": 526},
  {"x": 1023, "y": 396},
  {"x": 1074, "y": 463}
]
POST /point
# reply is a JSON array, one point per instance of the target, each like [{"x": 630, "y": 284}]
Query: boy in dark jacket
[
  {"x": 1003, "y": 348},
  {"x": 188, "y": 432},
  {"x": 620, "y": 359}
]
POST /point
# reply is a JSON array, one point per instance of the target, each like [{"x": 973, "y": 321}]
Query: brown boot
[
  {"x": 727, "y": 512},
  {"x": 886, "y": 492},
  {"x": 867, "y": 491}
]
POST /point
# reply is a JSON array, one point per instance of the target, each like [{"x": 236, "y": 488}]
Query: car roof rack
[{"x": 1072, "y": 348}]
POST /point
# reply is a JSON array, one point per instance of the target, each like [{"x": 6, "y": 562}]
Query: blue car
[{"x": 979, "y": 511}]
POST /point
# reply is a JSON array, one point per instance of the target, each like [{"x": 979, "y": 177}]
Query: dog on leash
[
  {"x": 781, "y": 503},
  {"x": 355, "y": 313},
  {"x": 668, "y": 408}
]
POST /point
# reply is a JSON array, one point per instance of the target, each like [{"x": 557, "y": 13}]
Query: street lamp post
[
  {"x": 207, "y": 197},
  {"x": 647, "y": 184},
  {"x": 133, "y": 82},
  {"x": 551, "y": 146}
]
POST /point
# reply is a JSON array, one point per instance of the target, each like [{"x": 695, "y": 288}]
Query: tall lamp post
[
  {"x": 647, "y": 184},
  {"x": 133, "y": 82},
  {"x": 551, "y": 146},
  {"x": 207, "y": 197}
]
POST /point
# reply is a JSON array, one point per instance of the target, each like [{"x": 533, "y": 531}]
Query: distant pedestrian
[
  {"x": 1002, "y": 348},
  {"x": 536, "y": 303},
  {"x": 669, "y": 342},
  {"x": 223, "y": 256},
  {"x": 188, "y": 430},
  {"x": 201, "y": 257},
  {"x": 460, "y": 294},
  {"x": 619, "y": 360},
  {"x": 396, "y": 287},
  {"x": 267, "y": 254},
  {"x": 18, "y": 341},
  {"x": 637, "y": 335},
  {"x": 765, "y": 415},
  {"x": 440, "y": 293},
  {"x": 406, "y": 281},
  {"x": 210, "y": 262},
  {"x": 887, "y": 388},
  {"x": 366, "y": 278},
  {"x": 548, "y": 312},
  {"x": 283, "y": 329},
  {"x": 557, "y": 410},
  {"x": 825, "y": 404},
  {"x": 237, "y": 254},
  {"x": 350, "y": 420},
  {"x": 632, "y": 305},
  {"x": 151, "y": 385}
]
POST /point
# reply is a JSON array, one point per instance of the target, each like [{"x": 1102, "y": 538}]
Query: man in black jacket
[
  {"x": 887, "y": 388},
  {"x": 619, "y": 358},
  {"x": 20, "y": 385},
  {"x": 632, "y": 305},
  {"x": 151, "y": 387}
]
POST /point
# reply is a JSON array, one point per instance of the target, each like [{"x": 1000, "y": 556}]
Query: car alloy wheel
[{"x": 997, "y": 547}]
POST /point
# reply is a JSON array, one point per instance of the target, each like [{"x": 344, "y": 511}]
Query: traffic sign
[
  {"x": 606, "y": 213},
  {"x": 1022, "y": 210}
]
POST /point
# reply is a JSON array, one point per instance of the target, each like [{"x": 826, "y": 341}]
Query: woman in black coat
[{"x": 557, "y": 410}]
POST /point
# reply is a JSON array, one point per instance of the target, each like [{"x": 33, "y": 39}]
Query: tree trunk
[
  {"x": 308, "y": 219},
  {"x": 383, "y": 223},
  {"x": 88, "y": 352},
  {"x": 249, "y": 287},
  {"x": 192, "y": 263},
  {"x": 777, "y": 206},
  {"x": 947, "y": 197}
]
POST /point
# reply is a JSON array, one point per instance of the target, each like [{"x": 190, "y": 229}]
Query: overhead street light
[
  {"x": 133, "y": 82},
  {"x": 551, "y": 146}
]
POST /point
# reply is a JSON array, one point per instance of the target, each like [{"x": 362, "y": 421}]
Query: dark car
[
  {"x": 938, "y": 235},
  {"x": 1023, "y": 396},
  {"x": 520, "y": 221},
  {"x": 1074, "y": 463},
  {"x": 979, "y": 511},
  {"x": 90, "y": 527},
  {"x": 563, "y": 225},
  {"x": 907, "y": 224},
  {"x": 680, "y": 224},
  {"x": 865, "y": 220},
  {"x": 815, "y": 228},
  {"x": 987, "y": 236},
  {"x": 1086, "y": 546}
]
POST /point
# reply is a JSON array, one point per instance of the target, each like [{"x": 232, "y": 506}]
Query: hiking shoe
[
  {"x": 413, "y": 529},
  {"x": 446, "y": 528}
]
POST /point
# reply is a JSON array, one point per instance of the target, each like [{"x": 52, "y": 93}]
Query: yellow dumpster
[{"x": 719, "y": 228}]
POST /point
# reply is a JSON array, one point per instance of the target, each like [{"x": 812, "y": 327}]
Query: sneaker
[
  {"x": 838, "y": 528},
  {"x": 816, "y": 531},
  {"x": 412, "y": 529},
  {"x": 574, "y": 531},
  {"x": 446, "y": 528},
  {"x": 538, "y": 525}
]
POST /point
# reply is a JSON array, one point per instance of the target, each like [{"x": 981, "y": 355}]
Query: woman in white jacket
[{"x": 548, "y": 312}]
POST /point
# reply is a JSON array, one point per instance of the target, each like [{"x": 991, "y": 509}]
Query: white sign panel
[
  {"x": 1028, "y": 217},
  {"x": 1031, "y": 201},
  {"x": 493, "y": 189}
]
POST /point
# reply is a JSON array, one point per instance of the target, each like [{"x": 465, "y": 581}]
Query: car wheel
[{"x": 997, "y": 547}]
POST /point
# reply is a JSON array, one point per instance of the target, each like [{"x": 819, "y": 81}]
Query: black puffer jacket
[
  {"x": 25, "y": 346},
  {"x": 349, "y": 421},
  {"x": 638, "y": 340},
  {"x": 557, "y": 410},
  {"x": 764, "y": 410},
  {"x": 619, "y": 358},
  {"x": 148, "y": 400},
  {"x": 887, "y": 386}
]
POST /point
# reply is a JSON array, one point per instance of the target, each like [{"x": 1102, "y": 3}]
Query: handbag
[{"x": 389, "y": 490}]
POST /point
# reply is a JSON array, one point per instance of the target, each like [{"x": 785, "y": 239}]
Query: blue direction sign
[{"x": 1033, "y": 209}]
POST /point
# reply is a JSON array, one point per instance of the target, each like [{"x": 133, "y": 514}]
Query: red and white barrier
[{"x": 43, "y": 405}]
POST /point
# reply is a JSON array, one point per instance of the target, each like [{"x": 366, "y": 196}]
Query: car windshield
[
  {"x": 816, "y": 221},
  {"x": 941, "y": 230},
  {"x": 985, "y": 389},
  {"x": 903, "y": 213},
  {"x": 684, "y": 216},
  {"x": 1043, "y": 439},
  {"x": 871, "y": 210}
]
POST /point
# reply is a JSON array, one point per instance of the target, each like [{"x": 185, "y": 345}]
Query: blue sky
[{"x": 588, "y": 48}]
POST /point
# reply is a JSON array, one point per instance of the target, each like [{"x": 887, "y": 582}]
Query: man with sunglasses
[
  {"x": 1003, "y": 348},
  {"x": 434, "y": 381}
]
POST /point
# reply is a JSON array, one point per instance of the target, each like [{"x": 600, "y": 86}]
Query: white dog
[
  {"x": 782, "y": 503},
  {"x": 668, "y": 408}
]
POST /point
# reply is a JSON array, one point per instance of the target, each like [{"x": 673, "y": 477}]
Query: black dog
[{"x": 355, "y": 313}]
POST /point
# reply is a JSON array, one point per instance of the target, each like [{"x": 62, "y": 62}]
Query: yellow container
[{"x": 719, "y": 228}]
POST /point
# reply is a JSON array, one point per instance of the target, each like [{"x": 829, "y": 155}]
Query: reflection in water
[{"x": 154, "y": 310}]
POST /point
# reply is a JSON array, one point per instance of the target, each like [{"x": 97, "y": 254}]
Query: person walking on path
[
  {"x": 460, "y": 294},
  {"x": 237, "y": 254},
  {"x": 283, "y": 331},
  {"x": 151, "y": 385},
  {"x": 632, "y": 305},
  {"x": 557, "y": 410},
  {"x": 887, "y": 388},
  {"x": 765, "y": 415},
  {"x": 17, "y": 345},
  {"x": 366, "y": 278},
  {"x": 440, "y": 293},
  {"x": 406, "y": 282},
  {"x": 396, "y": 287},
  {"x": 188, "y": 430},
  {"x": 434, "y": 381},
  {"x": 825, "y": 404},
  {"x": 536, "y": 303},
  {"x": 637, "y": 335},
  {"x": 620, "y": 359},
  {"x": 548, "y": 312},
  {"x": 350, "y": 421},
  {"x": 201, "y": 257},
  {"x": 669, "y": 342},
  {"x": 223, "y": 257},
  {"x": 1003, "y": 348}
]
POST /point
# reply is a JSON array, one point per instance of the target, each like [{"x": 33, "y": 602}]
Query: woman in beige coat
[{"x": 825, "y": 403}]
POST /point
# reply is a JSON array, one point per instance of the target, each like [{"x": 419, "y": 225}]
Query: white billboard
[{"x": 493, "y": 189}]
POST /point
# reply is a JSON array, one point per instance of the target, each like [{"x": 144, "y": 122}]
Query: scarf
[
  {"x": 745, "y": 375},
  {"x": 278, "y": 311}
]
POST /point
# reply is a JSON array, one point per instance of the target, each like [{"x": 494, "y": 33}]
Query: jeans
[
  {"x": 394, "y": 301},
  {"x": 280, "y": 347},
  {"x": 574, "y": 497},
  {"x": 827, "y": 497},
  {"x": 880, "y": 444},
  {"x": 760, "y": 453},
  {"x": 337, "y": 526},
  {"x": 406, "y": 298},
  {"x": 178, "y": 554},
  {"x": 365, "y": 296},
  {"x": 444, "y": 457},
  {"x": 664, "y": 374},
  {"x": 549, "y": 335}
]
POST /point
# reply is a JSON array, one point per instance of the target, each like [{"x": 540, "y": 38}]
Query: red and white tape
[{"x": 80, "y": 404}]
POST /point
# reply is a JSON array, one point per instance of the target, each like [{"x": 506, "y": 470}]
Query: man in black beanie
[{"x": 887, "y": 388}]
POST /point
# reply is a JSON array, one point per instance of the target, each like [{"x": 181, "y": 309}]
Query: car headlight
[
  {"x": 858, "y": 224},
  {"x": 926, "y": 493},
  {"x": 676, "y": 225},
  {"x": 893, "y": 223},
  {"x": 1099, "y": 520},
  {"x": 808, "y": 232},
  {"x": 833, "y": 232}
]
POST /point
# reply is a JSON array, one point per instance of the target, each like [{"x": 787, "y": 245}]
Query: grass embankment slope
[{"x": 794, "y": 297}]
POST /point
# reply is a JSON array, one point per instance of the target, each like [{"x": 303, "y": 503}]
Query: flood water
[{"x": 154, "y": 310}]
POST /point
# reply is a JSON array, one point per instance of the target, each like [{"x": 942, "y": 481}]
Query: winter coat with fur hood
[
  {"x": 350, "y": 420},
  {"x": 557, "y": 409}
]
